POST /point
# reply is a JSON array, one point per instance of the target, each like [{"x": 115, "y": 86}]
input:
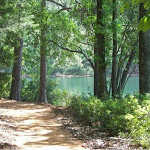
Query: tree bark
[
  {"x": 144, "y": 57},
  {"x": 125, "y": 73},
  {"x": 43, "y": 61},
  {"x": 16, "y": 74},
  {"x": 96, "y": 77},
  {"x": 100, "y": 83},
  {"x": 114, "y": 55}
]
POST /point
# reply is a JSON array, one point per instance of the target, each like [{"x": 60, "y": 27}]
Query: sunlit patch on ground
[{"x": 35, "y": 127}]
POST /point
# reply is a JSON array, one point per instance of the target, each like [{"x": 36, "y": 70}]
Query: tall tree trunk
[
  {"x": 114, "y": 55},
  {"x": 96, "y": 72},
  {"x": 144, "y": 57},
  {"x": 43, "y": 61},
  {"x": 100, "y": 86},
  {"x": 96, "y": 77},
  {"x": 16, "y": 74}
]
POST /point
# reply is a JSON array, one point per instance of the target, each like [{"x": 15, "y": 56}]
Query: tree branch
[
  {"x": 84, "y": 43},
  {"x": 63, "y": 7},
  {"x": 125, "y": 72},
  {"x": 75, "y": 51}
]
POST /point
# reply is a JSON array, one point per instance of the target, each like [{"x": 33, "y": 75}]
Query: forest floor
[
  {"x": 32, "y": 126},
  {"x": 47, "y": 127}
]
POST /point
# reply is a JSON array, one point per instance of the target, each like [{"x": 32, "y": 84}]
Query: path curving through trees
[{"x": 32, "y": 126}]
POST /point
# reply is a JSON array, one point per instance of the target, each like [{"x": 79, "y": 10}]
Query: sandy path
[{"x": 36, "y": 127}]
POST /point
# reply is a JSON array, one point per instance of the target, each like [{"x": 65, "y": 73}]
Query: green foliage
[
  {"x": 30, "y": 90},
  {"x": 5, "y": 81},
  {"x": 139, "y": 124},
  {"x": 144, "y": 23},
  {"x": 72, "y": 66},
  {"x": 127, "y": 115},
  {"x": 75, "y": 29},
  {"x": 60, "y": 97},
  {"x": 111, "y": 113},
  {"x": 87, "y": 110}
]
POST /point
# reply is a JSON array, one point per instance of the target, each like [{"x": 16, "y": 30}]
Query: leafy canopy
[{"x": 144, "y": 23}]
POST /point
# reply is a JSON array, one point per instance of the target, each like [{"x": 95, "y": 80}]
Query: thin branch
[
  {"x": 59, "y": 4},
  {"x": 128, "y": 55},
  {"x": 123, "y": 35},
  {"x": 85, "y": 43},
  {"x": 75, "y": 51},
  {"x": 63, "y": 7}
]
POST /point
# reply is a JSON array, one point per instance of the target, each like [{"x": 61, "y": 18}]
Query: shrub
[
  {"x": 60, "y": 97},
  {"x": 5, "y": 82},
  {"x": 139, "y": 124},
  {"x": 30, "y": 90},
  {"x": 110, "y": 113},
  {"x": 127, "y": 115},
  {"x": 86, "y": 110}
]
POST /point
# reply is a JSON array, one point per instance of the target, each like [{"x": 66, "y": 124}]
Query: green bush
[
  {"x": 139, "y": 124},
  {"x": 126, "y": 115},
  {"x": 109, "y": 113},
  {"x": 113, "y": 118},
  {"x": 86, "y": 109},
  {"x": 30, "y": 90},
  {"x": 60, "y": 97},
  {"x": 5, "y": 82}
]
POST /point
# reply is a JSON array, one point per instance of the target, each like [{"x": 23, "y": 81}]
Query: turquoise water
[{"x": 79, "y": 85}]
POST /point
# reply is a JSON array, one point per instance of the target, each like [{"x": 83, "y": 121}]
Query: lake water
[{"x": 79, "y": 85}]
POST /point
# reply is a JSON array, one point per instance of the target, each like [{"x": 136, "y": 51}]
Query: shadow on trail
[{"x": 37, "y": 126}]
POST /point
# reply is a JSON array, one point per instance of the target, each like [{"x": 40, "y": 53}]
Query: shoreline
[
  {"x": 76, "y": 76},
  {"x": 82, "y": 76},
  {"x": 70, "y": 76}
]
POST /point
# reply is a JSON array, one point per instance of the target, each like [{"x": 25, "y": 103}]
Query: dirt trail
[{"x": 32, "y": 126}]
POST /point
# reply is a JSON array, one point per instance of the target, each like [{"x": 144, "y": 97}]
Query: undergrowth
[
  {"x": 55, "y": 96},
  {"x": 128, "y": 116}
]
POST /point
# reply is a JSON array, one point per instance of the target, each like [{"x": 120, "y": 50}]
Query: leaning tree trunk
[
  {"x": 100, "y": 84},
  {"x": 144, "y": 57},
  {"x": 125, "y": 73},
  {"x": 43, "y": 62},
  {"x": 16, "y": 74}
]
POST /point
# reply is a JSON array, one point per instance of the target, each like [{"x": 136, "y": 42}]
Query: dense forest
[{"x": 42, "y": 38}]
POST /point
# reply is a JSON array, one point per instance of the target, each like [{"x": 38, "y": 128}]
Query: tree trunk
[
  {"x": 96, "y": 77},
  {"x": 43, "y": 61},
  {"x": 16, "y": 74},
  {"x": 144, "y": 57},
  {"x": 114, "y": 55},
  {"x": 100, "y": 84},
  {"x": 125, "y": 73}
]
